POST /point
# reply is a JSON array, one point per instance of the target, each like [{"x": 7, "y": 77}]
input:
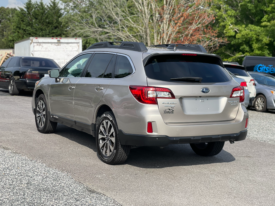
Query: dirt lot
[{"x": 243, "y": 174}]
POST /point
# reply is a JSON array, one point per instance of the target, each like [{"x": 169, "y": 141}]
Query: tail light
[
  {"x": 31, "y": 76},
  {"x": 246, "y": 123},
  {"x": 238, "y": 92},
  {"x": 243, "y": 84},
  {"x": 253, "y": 81},
  {"x": 149, "y": 127},
  {"x": 149, "y": 95}
]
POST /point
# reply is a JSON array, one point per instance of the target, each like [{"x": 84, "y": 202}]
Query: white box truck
[{"x": 61, "y": 50}]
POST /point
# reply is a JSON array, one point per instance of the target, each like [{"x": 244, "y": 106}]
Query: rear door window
[
  {"x": 237, "y": 71},
  {"x": 259, "y": 78},
  {"x": 123, "y": 67},
  {"x": 98, "y": 65},
  {"x": 166, "y": 67}
]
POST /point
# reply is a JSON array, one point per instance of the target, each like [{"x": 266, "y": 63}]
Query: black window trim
[
  {"x": 104, "y": 52},
  {"x": 91, "y": 59}
]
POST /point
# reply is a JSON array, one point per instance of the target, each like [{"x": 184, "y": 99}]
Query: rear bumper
[
  {"x": 160, "y": 141},
  {"x": 27, "y": 85}
]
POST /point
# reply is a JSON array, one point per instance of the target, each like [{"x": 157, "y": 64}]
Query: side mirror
[{"x": 54, "y": 73}]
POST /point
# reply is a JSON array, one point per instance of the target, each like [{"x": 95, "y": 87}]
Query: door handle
[
  {"x": 70, "y": 88},
  {"x": 99, "y": 88}
]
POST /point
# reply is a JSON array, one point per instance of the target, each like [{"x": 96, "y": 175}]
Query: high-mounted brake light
[
  {"x": 238, "y": 92},
  {"x": 189, "y": 54},
  {"x": 149, "y": 95}
]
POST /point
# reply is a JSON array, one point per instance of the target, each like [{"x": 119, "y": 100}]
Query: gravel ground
[
  {"x": 27, "y": 182},
  {"x": 261, "y": 126}
]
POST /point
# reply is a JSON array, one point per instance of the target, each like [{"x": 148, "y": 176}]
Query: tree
[
  {"x": 248, "y": 25},
  {"x": 6, "y": 16},
  {"x": 149, "y": 21},
  {"x": 37, "y": 19}
]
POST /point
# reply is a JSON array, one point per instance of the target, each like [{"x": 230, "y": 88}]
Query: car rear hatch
[{"x": 200, "y": 87}]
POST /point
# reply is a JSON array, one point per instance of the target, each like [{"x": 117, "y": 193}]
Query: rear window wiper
[{"x": 187, "y": 79}]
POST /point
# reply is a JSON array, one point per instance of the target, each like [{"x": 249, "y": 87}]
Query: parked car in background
[
  {"x": 265, "y": 85},
  {"x": 129, "y": 95},
  {"x": 241, "y": 81},
  {"x": 248, "y": 83},
  {"x": 260, "y": 64},
  {"x": 21, "y": 73}
]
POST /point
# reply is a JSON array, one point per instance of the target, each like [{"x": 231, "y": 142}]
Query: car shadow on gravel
[
  {"x": 151, "y": 157},
  {"x": 173, "y": 155},
  {"x": 5, "y": 92}
]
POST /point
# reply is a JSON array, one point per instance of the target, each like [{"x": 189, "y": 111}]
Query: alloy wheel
[
  {"x": 260, "y": 103},
  {"x": 106, "y": 138},
  {"x": 41, "y": 113}
]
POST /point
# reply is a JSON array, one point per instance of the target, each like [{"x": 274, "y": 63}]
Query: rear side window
[
  {"x": 98, "y": 65},
  {"x": 266, "y": 65},
  {"x": 237, "y": 71},
  {"x": 13, "y": 62},
  {"x": 38, "y": 62},
  {"x": 165, "y": 67},
  {"x": 5, "y": 64},
  {"x": 123, "y": 67}
]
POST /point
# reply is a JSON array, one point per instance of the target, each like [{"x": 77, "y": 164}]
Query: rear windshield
[
  {"x": 237, "y": 71},
  {"x": 165, "y": 67},
  {"x": 266, "y": 65},
  {"x": 38, "y": 62}
]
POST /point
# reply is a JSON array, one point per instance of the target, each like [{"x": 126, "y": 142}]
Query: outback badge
[{"x": 205, "y": 90}]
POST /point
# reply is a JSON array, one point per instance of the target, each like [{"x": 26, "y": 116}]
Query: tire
[
  {"x": 260, "y": 103},
  {"x": 109, "y": 149},
  {"x": 42, "y": 116},
  {"x": 12, "y": 88},
  {"x": 207, "y": 149}
]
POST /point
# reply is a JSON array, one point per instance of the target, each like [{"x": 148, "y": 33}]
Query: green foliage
[
  {"x": 6, "y": 16},
  {"x": 248, "y": 25},
  {"x": 36, "y": 20}
]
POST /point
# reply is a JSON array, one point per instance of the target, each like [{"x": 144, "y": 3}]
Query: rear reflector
[
  {"x": 238, "y": 92},
  {"x": 149, "y": 95},
  {"x": 246, "y": 123},
  {"x": 149, "y": 127}
]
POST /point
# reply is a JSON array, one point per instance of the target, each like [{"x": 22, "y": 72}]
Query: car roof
[{"x": 234, "y": 65}]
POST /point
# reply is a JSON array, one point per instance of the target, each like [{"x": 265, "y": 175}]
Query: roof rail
[
  {"x": 133, "y": 46},
  {"x": 190, "y": 47}
]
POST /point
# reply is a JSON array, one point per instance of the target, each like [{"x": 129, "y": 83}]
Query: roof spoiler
[
  {"x": 133, "y": 46},
  {"x": 189, "y": 47}
]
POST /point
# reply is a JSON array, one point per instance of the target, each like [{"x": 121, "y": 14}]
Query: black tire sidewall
[
  {"x": 43, "y": 129},
  {"x": 107, "y": 116}
]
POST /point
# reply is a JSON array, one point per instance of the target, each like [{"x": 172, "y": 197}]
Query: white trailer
[{"x": 61, "y": 50}]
